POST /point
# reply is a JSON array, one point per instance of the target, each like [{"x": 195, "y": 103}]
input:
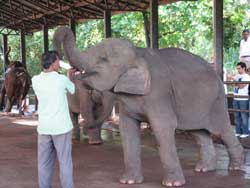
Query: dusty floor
[{"x": 101, "y": 166}]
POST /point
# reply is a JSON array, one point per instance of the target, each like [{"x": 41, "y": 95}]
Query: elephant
[
  {"x": 168, "y": 88},
  {"x": 94, "y": 106},
  {"x": 16, "y": 84}
]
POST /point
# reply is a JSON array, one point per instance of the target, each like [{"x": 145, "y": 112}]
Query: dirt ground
[{"x": 101, "y": 166}]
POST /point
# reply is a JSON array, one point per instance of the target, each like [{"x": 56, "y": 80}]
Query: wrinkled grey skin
[
  {"x": 168, "y": 88},
  {"x": 95, "y": 107}
]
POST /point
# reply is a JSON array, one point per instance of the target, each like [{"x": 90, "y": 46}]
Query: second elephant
[{"x": 95, "y": 107}]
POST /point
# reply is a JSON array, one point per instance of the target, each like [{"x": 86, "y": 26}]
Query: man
[
  {"x": 241, "y": 118},
  {"x": 245, "y": 48},
  {"x": 54, "y": 123}
]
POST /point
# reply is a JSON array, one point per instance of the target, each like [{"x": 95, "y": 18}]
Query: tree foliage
[{"x": 187, "y": 25}]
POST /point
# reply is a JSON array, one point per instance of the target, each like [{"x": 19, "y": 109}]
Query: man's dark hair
[
  {"x": 48, "y": 58},
  {"x": 242, "y": 65},
  {"x": 245, "y": 31}
]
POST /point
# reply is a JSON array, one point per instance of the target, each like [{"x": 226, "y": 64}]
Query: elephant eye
[{"x": 102, "y": 60}]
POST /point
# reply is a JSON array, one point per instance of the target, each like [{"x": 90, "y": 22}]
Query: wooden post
[
  {"x": 107, "y": 24},
  {"x": 72, "y": 25},
  {"x": 146, "y": 27},
  {"x": 45, "y": 38},
  {"x": 218, "y": 35},
  {"x": 23, "y": 48},
  {"x": 5, "y": 49},
  {"x": 154, "y": 35}
]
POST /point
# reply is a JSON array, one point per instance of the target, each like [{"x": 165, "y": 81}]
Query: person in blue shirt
[
  {"x": 54, "y": 122},
  {"x": 241, "y": 118}
]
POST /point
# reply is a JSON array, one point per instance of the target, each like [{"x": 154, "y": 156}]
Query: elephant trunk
[{"x": 64, "y": 36}]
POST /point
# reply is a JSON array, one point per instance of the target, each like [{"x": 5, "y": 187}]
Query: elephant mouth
[
  {"x": 80, "y": 75},
  {"x": 83, "y": 73},
  {"x": 87, "y": 74}
]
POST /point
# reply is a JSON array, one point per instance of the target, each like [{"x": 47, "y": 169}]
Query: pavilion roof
[{"x": 32, "y": 15}]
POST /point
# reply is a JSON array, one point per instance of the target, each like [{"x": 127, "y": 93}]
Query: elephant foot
[
  {"x": 76, "y": 137},
  {"x": 206, "y": 165},
  {"x": 76, "y": 134},
  {"x": 173, "y": 183},
  {"x": 94, "y": 136},
  {"x": 131, "y": 179},
  {"x": 21, "y": 113},
  {"x": 236, "y": 159},
  {"x": 236, "y": 165},
  {"x": 174, "y": 179}
]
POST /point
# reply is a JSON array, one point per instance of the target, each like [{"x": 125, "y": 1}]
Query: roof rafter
[{"x": 31, "y": 15}]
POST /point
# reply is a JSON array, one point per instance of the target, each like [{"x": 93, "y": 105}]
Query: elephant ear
[{"x": 136, "y": 80}]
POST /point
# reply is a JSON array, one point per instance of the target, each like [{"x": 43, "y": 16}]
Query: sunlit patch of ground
[{"x": 28, "y": 122}]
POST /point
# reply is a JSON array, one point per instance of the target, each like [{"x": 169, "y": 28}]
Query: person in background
[
  {"x": 245, "y": 48},
  {"x": 54, "y": 122},
  {"x": 241, "y": 118}
]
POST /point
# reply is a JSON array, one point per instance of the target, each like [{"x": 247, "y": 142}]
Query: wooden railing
[{"x": 231, "y": 95}]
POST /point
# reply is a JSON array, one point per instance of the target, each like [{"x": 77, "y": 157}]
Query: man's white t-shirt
[
  {"x": 243, "y": 91},
  {"x": 245, "y": 47}
]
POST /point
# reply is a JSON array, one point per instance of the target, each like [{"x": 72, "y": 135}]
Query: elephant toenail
[
  {"x": 169, "y": 184},
  {"x": 177, "y": 183},
  {"x": 123, "y": 181},
  {"x": 131, "y": 181}
]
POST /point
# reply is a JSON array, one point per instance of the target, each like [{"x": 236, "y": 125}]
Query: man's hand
[{"x": 70, "y": 73}]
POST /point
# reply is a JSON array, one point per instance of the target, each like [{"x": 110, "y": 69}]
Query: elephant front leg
[
  {"x": 10, "y": 101},
  {"x": 2, "y": 97},
  {"x": 164, "y": 130},
  {"x": 94, "y": 135},
  {"x": 76, "y": 131},
  {"x": 130, "y": 135},
  {"x": 22, "y": 105}
]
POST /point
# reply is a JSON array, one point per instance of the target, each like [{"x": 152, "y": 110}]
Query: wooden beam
[
  {"x": 49, "y": 12},
  {"x": 45, "y": 38},
  {"x": 15, "y": 14},
  {"x": 5, "y": 49},
  {"x": 218, "y": 35},
  {"x": 32, "y": 12},
  {"x": 72, "y": 25},
  {"x": 154, "y": 33},
  {"x": 107, "y": 24},
  {"x": 146, "y": 27}
]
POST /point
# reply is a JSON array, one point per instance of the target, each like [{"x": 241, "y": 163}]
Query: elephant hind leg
[
  {"x": 207, "y": 155},
  {"x": 235, "y": 149},
  {"x": 221, "y": 125}
]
